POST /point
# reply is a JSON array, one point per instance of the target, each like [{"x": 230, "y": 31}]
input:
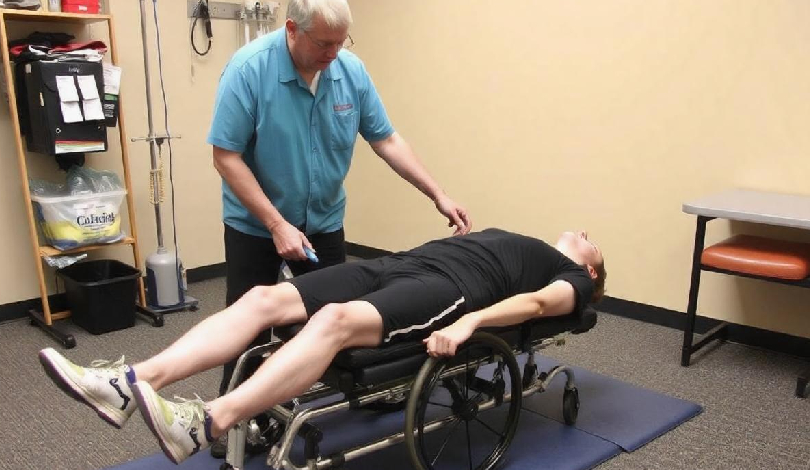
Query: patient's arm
[{"x": 558, "y": 298}]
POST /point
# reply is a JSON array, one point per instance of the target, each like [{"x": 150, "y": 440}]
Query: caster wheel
[
  {"x": 226, "y": 466},
  {"x": 529, "y": 376},
  {"x": 194, "y": 308},
  {"x": 570, "y": 406}
]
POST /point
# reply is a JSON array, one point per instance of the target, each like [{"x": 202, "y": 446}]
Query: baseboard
[
  {"x": 204, "y": 273},
  {"x": 748, "y": 335},
  {"x": 652, "y": 314},
  {"x": 16, "y": 310},
  {"x": 742, "y": 334}
]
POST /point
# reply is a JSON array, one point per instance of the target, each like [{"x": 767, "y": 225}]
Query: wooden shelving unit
[{"x": 46, "y": 317}]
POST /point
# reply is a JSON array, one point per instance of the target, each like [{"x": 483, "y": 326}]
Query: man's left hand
[
  {"x": 444, "y": 342},
  {"x": 456, "y": 214}
]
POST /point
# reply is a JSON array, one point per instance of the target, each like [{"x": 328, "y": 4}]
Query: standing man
[{"x": 288, "y": 110}]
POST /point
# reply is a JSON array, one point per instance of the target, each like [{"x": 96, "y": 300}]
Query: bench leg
[
  {"x": 691, "y": 309},
  {"x": 803, "y": 384}
]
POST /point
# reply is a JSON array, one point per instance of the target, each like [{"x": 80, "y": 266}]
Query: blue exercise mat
[
  {"x": 539, "y": 443},
  {"x": 624, "y": 414},
  {"x": 614, "y": 417}
]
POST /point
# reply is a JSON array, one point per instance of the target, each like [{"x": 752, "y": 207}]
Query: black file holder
[{"x": 49, "y": 134}]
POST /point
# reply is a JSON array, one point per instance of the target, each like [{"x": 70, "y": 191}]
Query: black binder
[{"x": 49, "y": 134}]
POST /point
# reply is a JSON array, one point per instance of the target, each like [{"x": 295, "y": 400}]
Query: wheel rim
[{"x": 470, "y": 437}]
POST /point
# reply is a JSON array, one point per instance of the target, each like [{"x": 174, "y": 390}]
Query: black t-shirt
[{"x": 494, "y": 264}]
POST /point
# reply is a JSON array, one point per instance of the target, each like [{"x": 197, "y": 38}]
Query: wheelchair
[{"x": 449, "y": 393}]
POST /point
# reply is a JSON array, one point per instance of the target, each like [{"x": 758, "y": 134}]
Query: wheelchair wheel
[
  {"x": 457, "y": 419},
  {"x": 570, "y": 406}
]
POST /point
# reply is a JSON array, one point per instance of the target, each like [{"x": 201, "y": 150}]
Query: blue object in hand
[{"x": 310, "y": 254}]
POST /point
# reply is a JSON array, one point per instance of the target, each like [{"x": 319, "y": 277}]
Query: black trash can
[{"x": 101, "y": 294}]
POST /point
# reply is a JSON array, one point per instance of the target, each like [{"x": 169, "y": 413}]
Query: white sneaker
[
  {"x": 179, "y": 427},
  {"x": 102, "y": 386}
]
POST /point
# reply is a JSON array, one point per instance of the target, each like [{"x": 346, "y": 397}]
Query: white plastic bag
[{"x": 83, "y": 211}]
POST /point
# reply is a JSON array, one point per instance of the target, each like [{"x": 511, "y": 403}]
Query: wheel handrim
[{"x": 478, "y": 437}]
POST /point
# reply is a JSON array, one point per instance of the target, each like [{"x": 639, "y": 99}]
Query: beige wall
[
  {"x": 544, "y": 116},
  {"x": 539, "y": 117}
]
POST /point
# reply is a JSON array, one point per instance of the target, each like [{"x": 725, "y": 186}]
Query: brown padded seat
[{"x": 760, "y": 256}]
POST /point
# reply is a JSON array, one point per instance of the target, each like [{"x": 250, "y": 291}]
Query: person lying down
[{"x": 439, "y": 293}]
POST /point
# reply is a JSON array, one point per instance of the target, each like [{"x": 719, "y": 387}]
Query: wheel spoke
[
  {"x": 469, "y": 444},
  {"x": 489, "y": 427},
  {"x": 476, "y": 397},
  {"x": 446, "y": 440},
  {"x": 439, "y": 404}
]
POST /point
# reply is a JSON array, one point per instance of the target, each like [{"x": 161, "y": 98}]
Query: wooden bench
[{"x": 755, "y": 257}]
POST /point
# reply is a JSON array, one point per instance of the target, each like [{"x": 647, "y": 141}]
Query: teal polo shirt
[{"x": 298, "y": 146}]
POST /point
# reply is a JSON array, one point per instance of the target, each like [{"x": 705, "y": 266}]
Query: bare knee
[
  {"x": 274, "y": 305},
  {"x": 345, "y": 325},
  {"x": 331, "y": 323}
]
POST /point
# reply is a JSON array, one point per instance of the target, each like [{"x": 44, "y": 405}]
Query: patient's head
[{"x": 582, "y": 251}]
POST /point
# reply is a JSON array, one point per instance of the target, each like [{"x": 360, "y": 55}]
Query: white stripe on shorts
[{"x": 438, "y": 317}]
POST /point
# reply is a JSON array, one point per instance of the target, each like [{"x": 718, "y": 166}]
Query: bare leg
[
  {"x": 224, "y": 335},
  {"x": 299, "y": 363}
]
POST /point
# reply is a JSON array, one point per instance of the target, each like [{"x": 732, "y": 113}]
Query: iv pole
[
  {"x": 166, "y": 292},
  {"x": 151, "y": 138}
]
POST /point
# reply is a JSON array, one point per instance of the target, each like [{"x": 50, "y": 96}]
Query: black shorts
[
  {"x": 412, "y": 300},
  {"x": 253, "y": 261}
]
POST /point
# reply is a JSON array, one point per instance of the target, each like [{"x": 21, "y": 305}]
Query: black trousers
[{"x": 253, "y": 261}]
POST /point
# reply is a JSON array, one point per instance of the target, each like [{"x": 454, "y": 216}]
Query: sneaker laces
[
  {"x": 105, "y": 364},
  {"x": 189, "y": 409}
]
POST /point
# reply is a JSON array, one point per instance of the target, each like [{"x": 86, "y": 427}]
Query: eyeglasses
[{"x": 347, "y": 43}]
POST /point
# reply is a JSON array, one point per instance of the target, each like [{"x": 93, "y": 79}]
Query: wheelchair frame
[{"x": 297, "y": 421}]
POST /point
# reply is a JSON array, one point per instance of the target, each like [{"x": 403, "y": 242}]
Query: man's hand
[
  {"x": 289, "y": 241},
  {"x": 456, "y": 215},
  {"x": 444, "y": 342}
]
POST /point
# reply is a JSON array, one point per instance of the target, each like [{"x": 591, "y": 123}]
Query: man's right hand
[{"x": 289, "y": 241}]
